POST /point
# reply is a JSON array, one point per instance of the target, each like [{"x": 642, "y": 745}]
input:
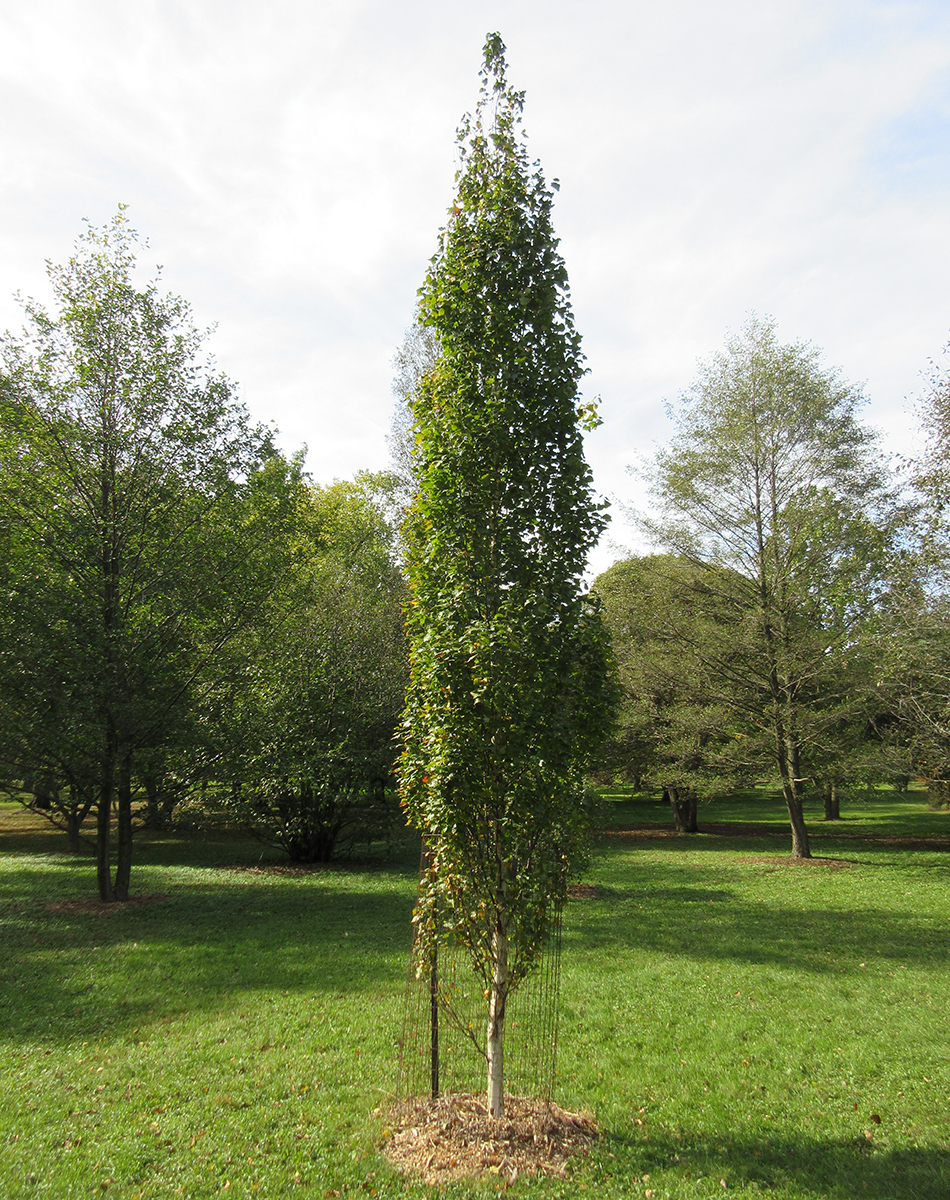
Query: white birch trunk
[{"x": 496, "y": 1024}]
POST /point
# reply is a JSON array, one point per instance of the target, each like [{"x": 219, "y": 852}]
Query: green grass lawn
[{"x": 736, "y": 1022}]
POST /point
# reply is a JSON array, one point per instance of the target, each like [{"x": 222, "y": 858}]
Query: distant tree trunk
[
  {"x": 123, "y": 865},
  {"x": 45, "y": 793},
  {"x": 103, "y": 827},
  {"x": 153, "y": 814},
  {"x": 684, "y": 803},
  {"x": 832, "y": 803},
  {"x": 161, "y": 796},
  {"x": 74, "y": 817},
  {"x": 496, "y": 1021}
]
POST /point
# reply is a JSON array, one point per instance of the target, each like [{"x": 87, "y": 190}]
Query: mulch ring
[
  {"x": 342, "y": 865},
  {"x": 786, "y": 860},
  {"x": 818, "y": 829},
  {"x": 454, "y": 1138},
  {"x": 94, "y": 905}
]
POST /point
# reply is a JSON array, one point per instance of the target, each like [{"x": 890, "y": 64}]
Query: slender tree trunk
[
  {"x": 787, "y": 758},
  {"x": 123, "y": 865},
  {"x": 832, "y": 803},
  {"x": 791, "y": 792},
  {"x": 434, "y": 1023},
  {"x": 103, "y": 827},
  {"x": 801, "y": 847},
  {"x": 496, "y": 1021}
]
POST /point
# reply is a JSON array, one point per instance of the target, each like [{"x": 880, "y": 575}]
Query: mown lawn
[{"x": 737, "y": 1023}]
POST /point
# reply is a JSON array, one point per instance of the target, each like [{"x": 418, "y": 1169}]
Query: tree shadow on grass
[
  {"x": 668, "y": 913},
  {"x": 837, "y": 1169},
  {"x": 68, "y": 974}
]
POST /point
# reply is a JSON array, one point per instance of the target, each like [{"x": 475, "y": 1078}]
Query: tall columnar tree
[
  {"x": 137, "y": 509},
  {"x": 508, "y": 673},
  {"x": 772, "y": 475}
]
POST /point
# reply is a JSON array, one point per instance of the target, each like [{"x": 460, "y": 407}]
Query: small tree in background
[
  {"x": 508, "y": 684},
  {"x": 678, "y": 727}
]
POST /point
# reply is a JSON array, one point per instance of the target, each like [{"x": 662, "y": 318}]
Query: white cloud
[{"x": 291, "y": 165}]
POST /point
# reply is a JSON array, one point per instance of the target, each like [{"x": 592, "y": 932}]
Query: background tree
[
  {"x": 394, "y": 488},
  {"x": 771, "y": 475},
  {"x": 139, "y": 512},
  {"x": 676, "y": 730},
  {"x": 508, "y": 685},
  {"x": 319, "y": 689},
  {"x": 913, "y": 650}
]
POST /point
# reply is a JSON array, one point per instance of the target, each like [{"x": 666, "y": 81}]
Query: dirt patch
[
  {"x": 99, "y": 906},
  {"x": 347, "y": 864},
  {"x": 640, "y": 831},
  {"x": 786, "y": 860},
  {"x": 455, "y": 1138},
  {"x": 582, "y": 891}
]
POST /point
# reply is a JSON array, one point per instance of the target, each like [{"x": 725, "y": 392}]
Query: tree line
[{"x": 186, "y": 613}]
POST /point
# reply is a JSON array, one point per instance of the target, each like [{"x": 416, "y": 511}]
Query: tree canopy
[
  {"x": 139, "y": 508},
  {"x": 772, "y": 476}
]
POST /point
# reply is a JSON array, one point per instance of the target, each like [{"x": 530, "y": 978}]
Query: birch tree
[{"x": 508, "y": 683}]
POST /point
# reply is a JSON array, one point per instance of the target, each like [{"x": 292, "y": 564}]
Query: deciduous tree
[
  {"x": 772, "y": 476},
  {"x": 320, "y": 686},
  {"x": 678, "y": 727},
  {"x": 508, "y": 683},
  {"x": 139, "y": 505}
]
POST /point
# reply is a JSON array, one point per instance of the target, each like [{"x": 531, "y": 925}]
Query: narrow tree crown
[
  {"x": 508, "y": 685},
  {"x": 501, "y": 466}
]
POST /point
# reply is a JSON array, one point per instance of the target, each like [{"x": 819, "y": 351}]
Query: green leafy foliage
[
  {"x": 139, "y": 511},
  {"x": 772, "y": 477},
  {"x": 676, "y": 728},
  {"x": 308, "y": 744},
  {"x": 508, "y": 684}
]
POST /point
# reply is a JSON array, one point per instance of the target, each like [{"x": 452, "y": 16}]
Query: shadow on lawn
[
  {"x": 668, "y": 913},
  {"x": 68, "y": 974},
  {"x": 838, "y": 1170}
]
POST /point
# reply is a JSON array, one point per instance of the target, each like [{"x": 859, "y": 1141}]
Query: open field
[{"x": 737, "y": 1023}]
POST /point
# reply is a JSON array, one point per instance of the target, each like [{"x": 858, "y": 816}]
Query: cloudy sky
[{"x": 290, "y": 165}]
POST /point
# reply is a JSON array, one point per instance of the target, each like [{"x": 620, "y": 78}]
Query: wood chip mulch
[{"x": 455, "y": 1138}]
